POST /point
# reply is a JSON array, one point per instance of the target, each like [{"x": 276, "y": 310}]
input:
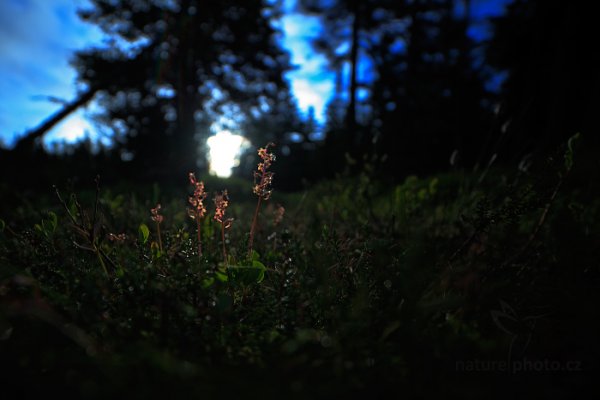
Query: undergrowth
[{"x": 352, "y": 286}]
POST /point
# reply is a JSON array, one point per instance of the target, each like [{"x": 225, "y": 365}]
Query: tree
[
  {"x": 344, "y": 42},
  {"x": 174, "y": 67},
  {"x": 425, "y": 97},
  {"x": 553, "y": 81},
  {"x": 27, "y": 143},
  {"x": 428, "y": 95}
]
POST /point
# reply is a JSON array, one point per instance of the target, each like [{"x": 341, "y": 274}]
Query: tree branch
[{"x": 27, "y": 142}]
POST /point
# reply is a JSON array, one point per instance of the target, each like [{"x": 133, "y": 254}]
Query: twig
[{"x": 89, "y": 232}]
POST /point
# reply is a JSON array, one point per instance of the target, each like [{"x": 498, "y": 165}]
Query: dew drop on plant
[{"x": 130, "y": 288}]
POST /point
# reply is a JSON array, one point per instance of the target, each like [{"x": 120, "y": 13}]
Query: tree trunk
[
  {"x": 351, "y": 112},
  {"x": 184, "y": 150},
  {"x": 27, "y": 142}
]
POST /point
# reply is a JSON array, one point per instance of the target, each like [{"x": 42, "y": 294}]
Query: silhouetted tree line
[
  {"x": 553, "y": 86},
  {"x": 173, "y": 68},
  {"x": 430, "y": 103}
]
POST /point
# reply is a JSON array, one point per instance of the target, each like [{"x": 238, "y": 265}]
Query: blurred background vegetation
[{"x": 418, "y": 87}]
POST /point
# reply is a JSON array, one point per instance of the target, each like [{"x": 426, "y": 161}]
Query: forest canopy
[{"x": 420, "y": 86}]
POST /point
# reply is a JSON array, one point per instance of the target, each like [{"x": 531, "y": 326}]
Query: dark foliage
[
  {"x": 552, "y": 87},
  {"x": 451, "y": 285}
]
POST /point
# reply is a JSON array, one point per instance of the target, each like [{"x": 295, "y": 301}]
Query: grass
[{"x": 424, "y": 287}]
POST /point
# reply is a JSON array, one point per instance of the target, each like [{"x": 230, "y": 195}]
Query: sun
[{"x": 224, "y": 152}]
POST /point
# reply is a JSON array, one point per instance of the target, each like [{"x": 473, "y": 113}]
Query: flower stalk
[
  {"x": 262, "y": 187},
  {"x": 197, "y": 211},
  {"x": 156, "y": 217},
  {"x": 221, "y": 202}
]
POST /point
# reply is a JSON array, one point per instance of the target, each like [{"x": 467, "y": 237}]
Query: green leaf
[
  {"x": 53, "y": 220},
  {"x": 433, "y": 186},
  {"x": 48, "y": 225},
  {"x": 2, "y": 225},
  {"x": 144, "y": 233},
  {"x": 257, "y": 264},
  {"x": 208, "y": 282},
  {"x": 254, "y": 256},
  {"x": 222, "y": 277},
  {"x": 571, "y": 150},
  {"x": 391, "y": 328},
  {"x": 248, "y": 274},
  {"x": 155, "y": 250}
]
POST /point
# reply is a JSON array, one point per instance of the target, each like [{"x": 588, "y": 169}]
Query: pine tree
[{"x": 172, "y": 68}]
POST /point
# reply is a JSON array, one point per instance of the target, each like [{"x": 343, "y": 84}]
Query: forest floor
[{"x": 461, "y": 283}]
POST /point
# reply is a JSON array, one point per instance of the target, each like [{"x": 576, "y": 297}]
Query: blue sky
[
  {"x": 38, "y": 38},
  {"x": 311, "y": 83}
]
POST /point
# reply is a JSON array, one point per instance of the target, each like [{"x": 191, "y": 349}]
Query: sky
[
  {"x": 34, "y": 64},
  {"x": 312, "y": 83},
  {"x": 39, "y": 37}
]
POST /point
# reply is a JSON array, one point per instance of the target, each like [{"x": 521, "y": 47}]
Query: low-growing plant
[
  {"x": 156, "y": 217},
  {"x": 198, "y": 211},
  {"x": 87, "y": 228},
  {"x": 263, "y": 179},
  {"x": 221, "y": 201}
]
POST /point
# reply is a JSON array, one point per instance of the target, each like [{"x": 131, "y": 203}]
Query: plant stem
[
  {"x": 102, "y": 264},
  {"x": 160, "y": 246},
  {"x": 223, "y": 241},
  {"x": 198, "y": 228},
  {"x": 253, "y": 227}
]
